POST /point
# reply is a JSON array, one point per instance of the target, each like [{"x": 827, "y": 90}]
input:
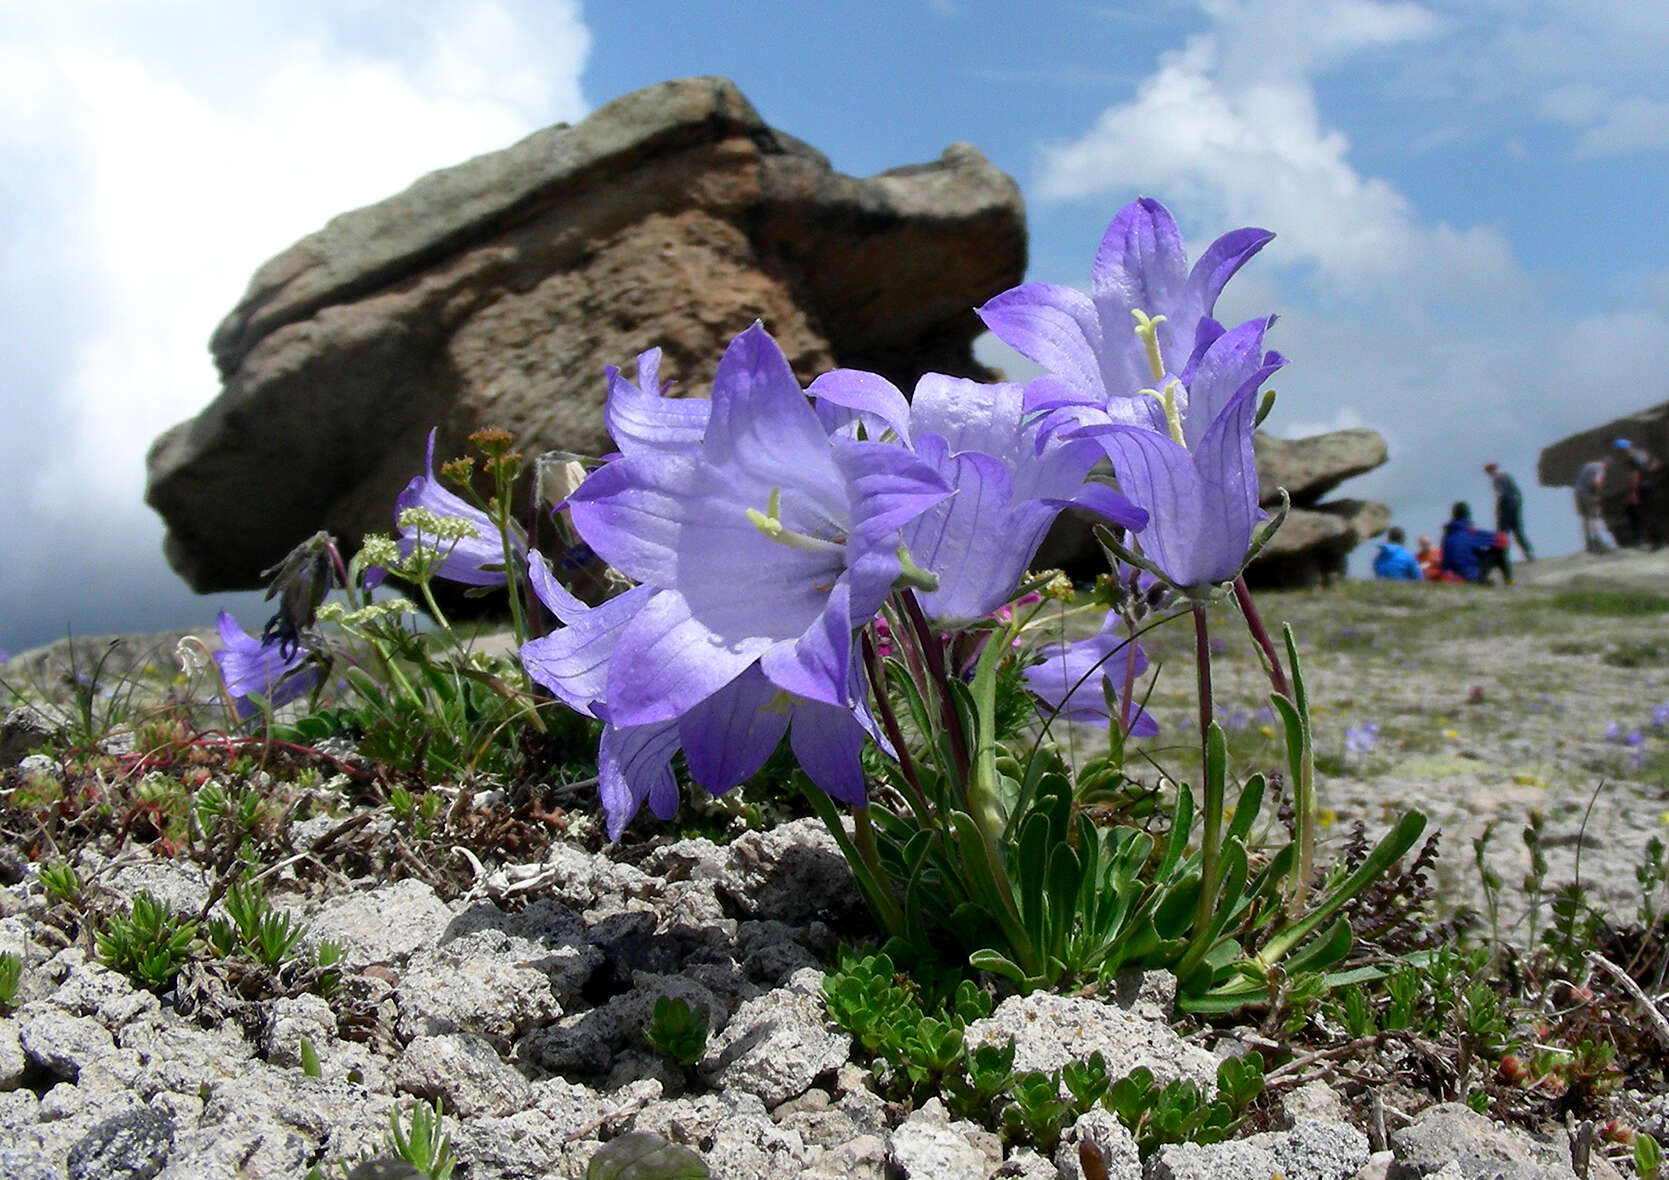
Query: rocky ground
[{"x": 520, "y": 1001}]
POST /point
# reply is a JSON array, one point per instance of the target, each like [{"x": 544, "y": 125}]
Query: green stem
[
  {"x": 1211, "y": 791},
  {"x": 984, "y": 798}
]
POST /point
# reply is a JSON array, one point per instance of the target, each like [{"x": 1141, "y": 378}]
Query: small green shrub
[{"x": 677, "y": 1030}]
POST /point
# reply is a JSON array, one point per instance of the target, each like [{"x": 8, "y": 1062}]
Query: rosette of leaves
[
  {"x": 148, "y": 944},
  {"x": 1178, "y": 1112}
]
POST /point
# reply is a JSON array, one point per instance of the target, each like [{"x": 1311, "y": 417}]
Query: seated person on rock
[
  {"x": 1469, "y": 552},
  {"x": 1394, "y": 561},
  {"x": 1430, "y": 558}
]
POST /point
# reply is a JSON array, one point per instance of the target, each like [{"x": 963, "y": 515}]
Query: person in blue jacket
[
  {"x": 1394, "y": 560},
  {"x": 1469, "y": 552}
]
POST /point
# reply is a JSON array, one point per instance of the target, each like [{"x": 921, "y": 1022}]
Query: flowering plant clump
[{"x": 847, "y": 568}]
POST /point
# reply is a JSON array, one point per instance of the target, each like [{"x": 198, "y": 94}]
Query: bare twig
[{"x": 1653, "y": 1016}]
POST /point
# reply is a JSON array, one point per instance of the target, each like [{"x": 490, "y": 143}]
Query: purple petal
[
  {"x": 665, "y": 662},
  {"x": 762, "y": 426},
  {"x": 1158, "y": 475},
  {"x": 828, "y": 742},
  {"x": 639, "y": 417},
  {"x": 817, "y": 665},
  {"x": 631, "y": 511},
  {"x": 1070, "y": 678},
  {"x": 1229, "y": 478},
  {"x": 573, "y": 661},
  {"x": 971, "y": 415},
  {"x": 1218, "y": 264},
  {"x": 633, "y": 765},
  {"x": 553, "y": 594},
  {"x": 1140, "y": 261},
  {"x": 891, "y": 487},
  {"x": 728, "y": 736},
  {"x": 464, "y": 559},
  {"x": 1056, "y": 327},
  {"x": 868, "y": 395},
  {"x": 966, "y": 541},
  {"x": 1234, "y": 360},
  {"x": 1112, "y": 504}
]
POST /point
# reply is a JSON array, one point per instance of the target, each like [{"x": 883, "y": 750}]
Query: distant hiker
[
  {"x": 1469, "y": 552},
  {"x": 1394, "y": 561},
  {"x": 1590, "y": 481},
  {"x": 1509, "y": 507},
  {"x": 1430, "y": 558},
  {"x": 1642, "y": 521}
]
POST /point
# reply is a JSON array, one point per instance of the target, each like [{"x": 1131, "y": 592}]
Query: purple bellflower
[
  {"x": 468, "y": 559},
  {"x": 1361, "y": 738},
  {"x": 1069, "y": 680},
  {"x": 250, "y": 666},
  {"x": 768, "y": 543},
  {"x": 726, "y": 737},
  {"x": 1141, "y": 366},
  {"x": 1010, "y": 481},
  {"x": 1142, "y": 317},
  {"x": 1199, "y": 477}
]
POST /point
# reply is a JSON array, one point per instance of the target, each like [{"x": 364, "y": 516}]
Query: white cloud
[
  {"x": 174, "y": 178},
  {"x": 1229, "y": 126},
  {"x": 1431, "y": 333}
]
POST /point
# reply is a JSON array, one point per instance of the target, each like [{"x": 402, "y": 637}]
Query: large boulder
[
  {"x": 494, "y": 292},
  {"x": 1314, "y": 545},
  {"x": 1649, "y": 429},
  {"x": 1309, "y": 468}
]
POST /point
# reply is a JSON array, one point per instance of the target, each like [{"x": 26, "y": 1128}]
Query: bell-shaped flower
[
  {"x": 1009, "y": 481},
  {"x": 1074, "y": 678},
  {"x": 271, "y": 668},
  {"x": 771, "y": 542},
  {"x": 1198, "y": 479},
  {"x": 726, "y": 737},
  {"x": 1136, "y": 328},
  {"x": 477, "y": 557}
]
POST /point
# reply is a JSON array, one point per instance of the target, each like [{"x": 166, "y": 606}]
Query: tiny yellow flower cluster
[
  {"x": 441, "y": 528},
  {"x": 374, "y": 612},
  {"x": 379, "y": 549},
  {"x": 1057, "y": 588}
]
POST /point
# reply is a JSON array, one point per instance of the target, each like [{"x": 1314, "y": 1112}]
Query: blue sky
[{"x": 1471, "y": 254}]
